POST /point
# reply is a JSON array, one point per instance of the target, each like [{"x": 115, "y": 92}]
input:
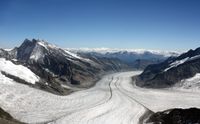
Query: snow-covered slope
[
  {"x": 190, "y": 84},
  {"x": 177, "y": 63},
  {"x": 182, "y": 61},
  {"x": 19, "y": 71}
]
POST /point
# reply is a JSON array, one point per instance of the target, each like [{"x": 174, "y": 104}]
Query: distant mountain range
[
  {"x": 136, "y": 58},
  {"x": 180, "y": 71}
]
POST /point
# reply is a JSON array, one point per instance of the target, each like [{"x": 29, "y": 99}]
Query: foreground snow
[
  {"x": 18, "y": 71},
  {"x": 114, "y": 100}
]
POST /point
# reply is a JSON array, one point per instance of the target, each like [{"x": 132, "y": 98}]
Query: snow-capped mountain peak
[
  {"x": 36, "y": 50},
  {"x": 49, "y": 46},
  {"x": 46, "y": 44}
]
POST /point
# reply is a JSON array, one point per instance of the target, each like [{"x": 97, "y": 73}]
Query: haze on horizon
[{"x": 145, "y": 24}]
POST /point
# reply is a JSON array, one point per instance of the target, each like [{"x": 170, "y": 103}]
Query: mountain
[
  {"x": 136, "y": 58},
  {"x": 173, "y": 71},
  {"x": 42, "y": 65}
]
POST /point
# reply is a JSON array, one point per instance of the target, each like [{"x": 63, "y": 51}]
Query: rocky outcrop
[
  {"x": 171, "y": 71},
  {"x": 6, "y": 118},
  {"x": 176, "y": 116}
]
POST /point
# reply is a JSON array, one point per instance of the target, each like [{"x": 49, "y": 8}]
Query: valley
[
  {"x": 44, "y": 84},
  {"x": 99, "y": 62}
]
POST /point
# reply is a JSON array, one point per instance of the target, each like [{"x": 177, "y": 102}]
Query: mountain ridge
[
  {"x": 171, "y": 71},
  {"x": 136, "y": 58}
]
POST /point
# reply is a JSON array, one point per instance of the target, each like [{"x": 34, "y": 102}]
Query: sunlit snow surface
[
  {"x": 18, "y": 70},
  {"x": 114, "y": 100},
  {"x": 191, "y": 84},
  {"x": 176, "y": 63}
]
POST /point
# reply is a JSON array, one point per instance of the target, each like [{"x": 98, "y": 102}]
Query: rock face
[
  {"x": 6, "y": 118},
  {"x": 8, "y": 54},
  {"x": 171, "y": 71},
  {"x": 176, "y": 116},
  {"x": 60, "y": 71}
]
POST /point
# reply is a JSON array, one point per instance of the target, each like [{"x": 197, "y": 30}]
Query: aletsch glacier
[{"x": 113, "y": 99}]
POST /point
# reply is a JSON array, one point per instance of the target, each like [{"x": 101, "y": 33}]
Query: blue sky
[{"x": 148, "y": 24}]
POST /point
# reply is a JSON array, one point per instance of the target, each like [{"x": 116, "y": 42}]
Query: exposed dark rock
[
  {"x": 176, "y": 116},
  {"x": 6, "y": 118}
]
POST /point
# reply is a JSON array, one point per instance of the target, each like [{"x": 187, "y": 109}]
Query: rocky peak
[
  {"x": 190, "y": 53},
  {"x": 33, "y": 50},
  {"x": 25, "y": 50}
]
